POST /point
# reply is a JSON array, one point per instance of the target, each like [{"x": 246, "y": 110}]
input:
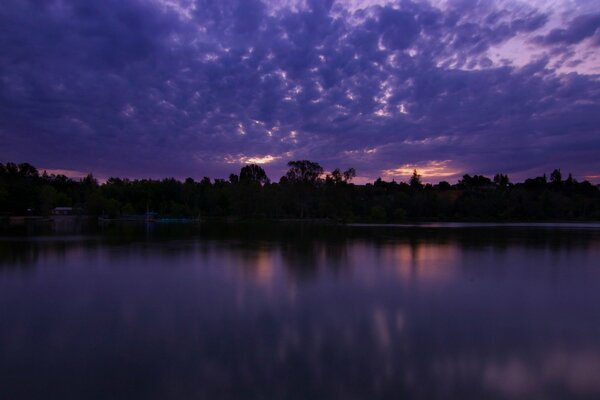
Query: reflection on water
[{"x": 300, "y": 312}]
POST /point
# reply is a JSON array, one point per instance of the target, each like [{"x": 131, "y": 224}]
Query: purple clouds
[{"x": 199, "y": 87}]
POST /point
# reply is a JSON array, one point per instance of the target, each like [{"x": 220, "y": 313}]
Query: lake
[{"x": 300, "y": 311}]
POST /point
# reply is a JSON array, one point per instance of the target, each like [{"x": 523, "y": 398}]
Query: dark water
[{"x": 300, "y": 312}]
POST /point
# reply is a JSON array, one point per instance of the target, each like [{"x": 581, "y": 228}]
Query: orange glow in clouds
[
  {"x": 251, "y": 160},
  {"x": 429, "y": 171}
]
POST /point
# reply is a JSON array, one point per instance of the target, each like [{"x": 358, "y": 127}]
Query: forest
[{"x": 304, "y": 192}]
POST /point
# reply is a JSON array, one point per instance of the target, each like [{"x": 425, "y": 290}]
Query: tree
[
  {"x": 474, "y": 181},
  {"x": 415, "y": 180},
  {"x": 556, "y": 177},
  {"x": 28, "y": 170},
  {"x": 22, "y": 192},
  {"x": 570, "y": 181},
  {"x": 336, "y": 176},
  {"x": 90, "y": 181},
  {"x": 349, "y": 174},
  {"x": 501, "y": 180},
  {"x": 444, "y": 185},
  {"x": 11, "y": 169},
  {"x": 253, "y": 173},
  {"x": 304, "y": 171}
]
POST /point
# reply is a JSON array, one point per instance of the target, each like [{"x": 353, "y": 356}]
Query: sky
[{"x": 160, "y": 88}]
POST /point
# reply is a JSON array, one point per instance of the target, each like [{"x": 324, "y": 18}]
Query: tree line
[{"x": 304, "y": 192}]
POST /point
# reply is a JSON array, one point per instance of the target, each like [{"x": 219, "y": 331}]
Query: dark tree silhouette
[
  {"x": 501, "y": 180},
  {"x": 253, "y": 173},
  {"x": 300, "y": 194},
  {"x": 556, "y": 177},
  {"x": 349, "y": 174},
  {"x": 27, "y": 170},
  {"x": 304, "y": 171},
  {"x": 336, "y": 176},
  {"x": 474, "y": 181},
  {"x": 570, "y": 181},
  {"x": 89, "y": 180},
  {"x": 415, "y": 180}
]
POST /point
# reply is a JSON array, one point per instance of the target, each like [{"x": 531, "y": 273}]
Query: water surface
[{"x": 290, "y": 311}]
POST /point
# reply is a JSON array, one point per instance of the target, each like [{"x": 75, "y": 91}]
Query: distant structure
[{"x": 63, "y": 211}]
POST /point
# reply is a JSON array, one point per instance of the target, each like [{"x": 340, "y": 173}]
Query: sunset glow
[{"x": 431, "y": 170}]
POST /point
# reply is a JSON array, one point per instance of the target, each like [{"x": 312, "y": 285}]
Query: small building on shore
[{"x": 63, "y": 211}]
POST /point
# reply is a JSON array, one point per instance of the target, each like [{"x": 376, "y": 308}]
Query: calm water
[{"x": 300, "y": 312}]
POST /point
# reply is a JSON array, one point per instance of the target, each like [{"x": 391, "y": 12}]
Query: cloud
[
  {"x": 241, "y": 159},
  {"x": 579, "y": 29},
  {"x": 175, "y": 87}
]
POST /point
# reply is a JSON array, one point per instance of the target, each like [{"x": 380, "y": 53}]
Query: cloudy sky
[{"x": 156, "y": 88}]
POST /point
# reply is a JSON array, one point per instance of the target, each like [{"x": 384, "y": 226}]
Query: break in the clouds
[{"x": 199, "y": 87}]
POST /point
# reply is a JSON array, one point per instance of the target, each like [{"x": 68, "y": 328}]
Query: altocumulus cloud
[{"x": 194, "y": 87}]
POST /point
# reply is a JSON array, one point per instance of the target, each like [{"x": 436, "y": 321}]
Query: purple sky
[{"x": 144, "y": 88}]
